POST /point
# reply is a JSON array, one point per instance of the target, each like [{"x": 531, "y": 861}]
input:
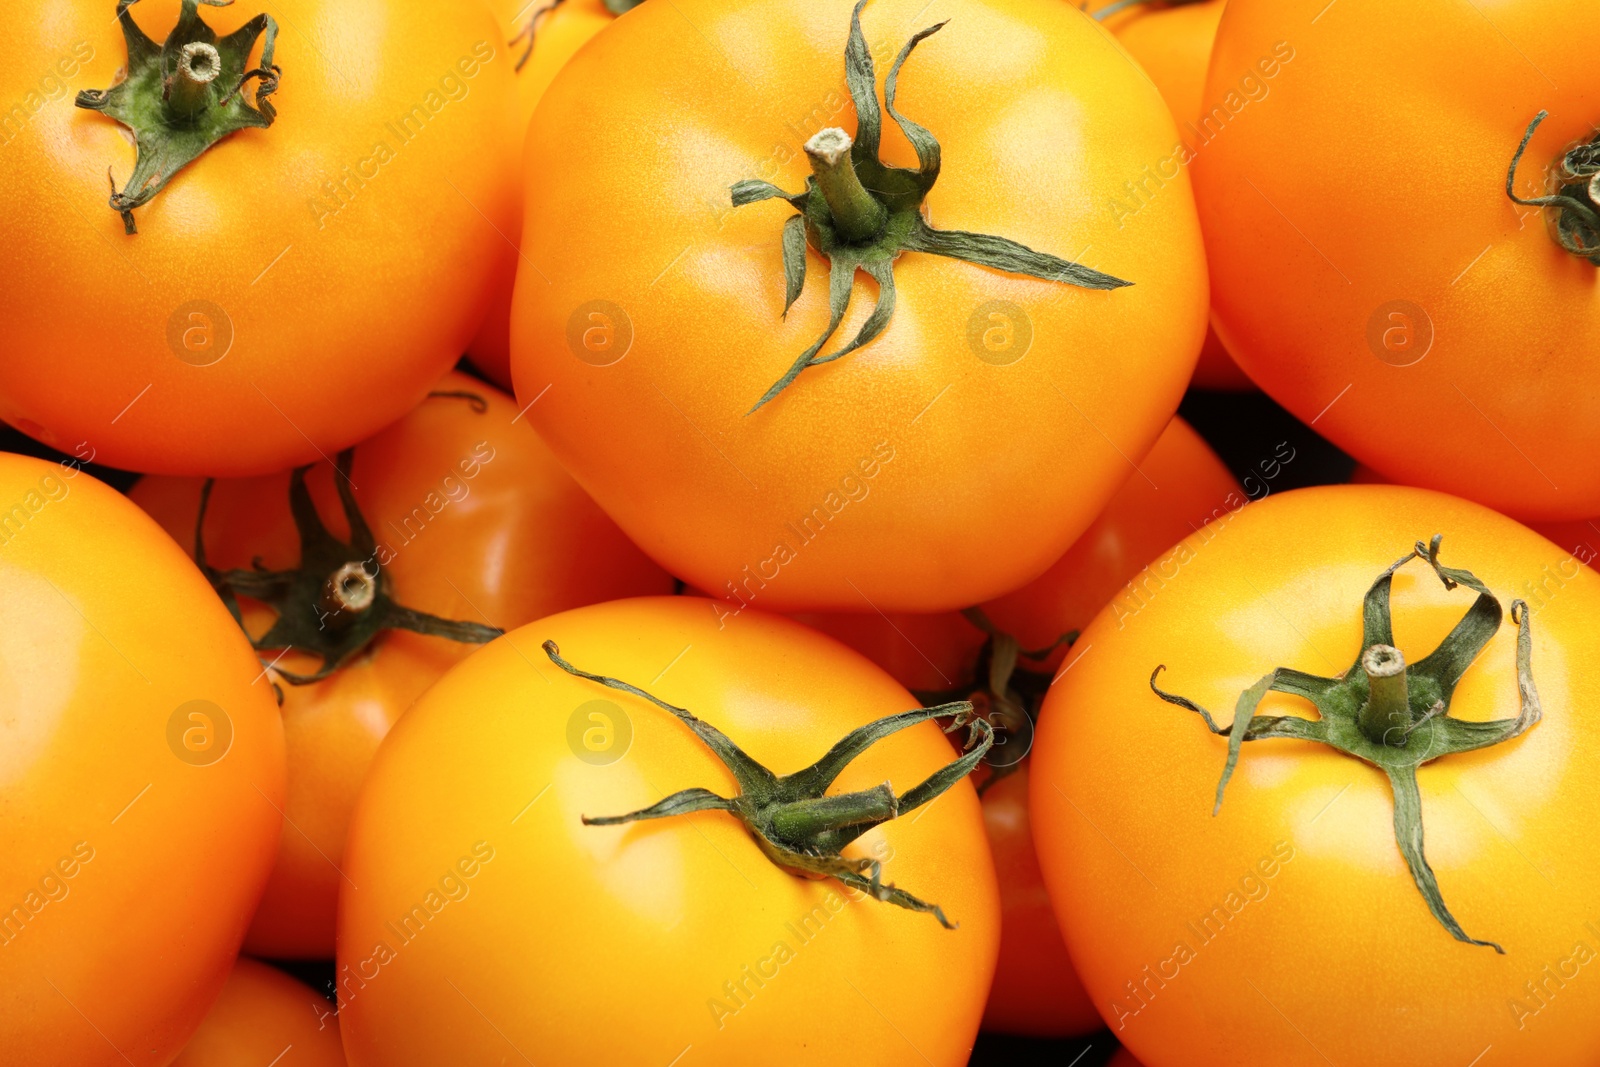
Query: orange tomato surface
[
  {"x": 559, "y": 29},
  {"x": 1035, "y": 989},
  {"x": 896, "y": 477},
  {"x": 1179, "y": 486},
  {"x": 1173, "y": 45},
  {"x": 141, "y": 778},
  {"x": 475, "y": 520},
  {"x": 487, "y": 922},
  {"x": 1286, "y": 929},
  {"x": 1398, "y": 299},
  {"x": 264, "y": 1018},
  {"x": 1123, "y": 1058},
  {"x": 294, "y": 289}
]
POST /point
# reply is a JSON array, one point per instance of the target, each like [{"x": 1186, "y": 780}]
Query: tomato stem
[
  {"x": 183, "y": 96},
  {"x": 1387, "y": 711},
  {"x": 861, "y": 230},
  {"x": 339, "y": 598},
  {"x": 795, "y": 822},
  {"x": 1366, "y": 712},
  {"x": 1573, "y": 205},
  {"x": 857, "y": 214}
]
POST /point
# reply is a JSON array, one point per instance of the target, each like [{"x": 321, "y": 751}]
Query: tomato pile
[{"x": 772, "y": 532}]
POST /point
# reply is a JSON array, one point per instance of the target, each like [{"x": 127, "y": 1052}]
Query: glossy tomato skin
[
  {"x": 476, "y": 521},
  {"x": 1412, "y": 336},
  {"x": 1173, "y": 45},
  {"x": 601, "y": 945},
  {"x": 1035, "y": 990},
  {"x": 294, "y": 289},
  {"x": 141, "y": 775},
  {"x": 561, "y": 30},
  {"x": 884, "y": 477},
  {"x": 261, "y": 1014},
  {"x": 1195, "y": 934}
]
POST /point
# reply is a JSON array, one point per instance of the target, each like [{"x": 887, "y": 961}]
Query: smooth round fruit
[
  {"x": 489, "y": 921},
  {"x": 1173, "y": 45},
  {"x": 141, "y": 778},
  {"x": 1400, "y": 300},
  {"x": 1195, "y": 934},
  {"x": 295, "y": 288},
  {"x": 542, "y": 36},
  {"x": 475, "y": 521},
  {"x": 893, "y": 477},
  {"x": 264, "y": 1018}
]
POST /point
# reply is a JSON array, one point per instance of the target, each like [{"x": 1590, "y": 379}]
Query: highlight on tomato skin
[
  {"x": 587, "y": 943},
  {"x": 295, "y": 287},
  {"x": 474, "y": 522},
  {"x": 261, "y": 1017},
  {"x": 1280, "y": 874},
  {"x": 697, "y": 394},
  {"x": 143, "y": 777}
]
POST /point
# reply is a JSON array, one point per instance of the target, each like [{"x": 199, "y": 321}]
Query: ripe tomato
[
  {"x": 1173, "y": 45},
  {"x": 1303, "y": 854},
  {"x": 884, "y": 478},
  {"x": 475, "y": 520},
  {"x": 1401, "y": 300},
  {"x": 486, "y": 920},
  {"x": 295, "y": 288},
  {"x": 141, "y": 775},
  {"x": 541, "y": 36},
  {"x": 262, "y": 1019}
]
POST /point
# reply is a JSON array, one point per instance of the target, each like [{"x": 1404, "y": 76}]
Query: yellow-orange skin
[
  {"x": 516, "y": 540},
  {"x": 635, "y": 146},
  {"x": 1331, "y": 933},
  {"x": 561, "y": 32},
  {"x": 137, "y": 871},
  {"x": 1173, "y": 45},
  {"x": 351, "y": 277},
  {"x": 588, "y": 945},
  {"x": 261, "y": 1014},
  {"x": 1422, "y": 107}
]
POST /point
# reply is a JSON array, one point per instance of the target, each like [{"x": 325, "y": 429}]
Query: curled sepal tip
[
  {"x": 797, "y": 824},
  {"x": 183, "y": 96},
  {"x": 1390, "y": 712},
  {"x": 1573, "y": 200},
  {"x": 861, "y": 213}
]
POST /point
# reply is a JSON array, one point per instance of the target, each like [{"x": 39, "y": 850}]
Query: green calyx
[
  {"x": 1573, "y": 207},
  {"x": 1392, "y": 714},
  {"x": 861, "y": 213},
  {"x": 183, "y": 96},
  {"x": 339, "y": 598},
  {"x": 1005, "y": 692},
  {"x": 800, "y": 828}
]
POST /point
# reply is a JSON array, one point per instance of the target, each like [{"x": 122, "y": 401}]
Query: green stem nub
[
  {"x": 1387, "y": 712},
  {"x": 188, "y": 91},
  {"x": 795, "y": 821},
  {"x": 857, "y": 214}
]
